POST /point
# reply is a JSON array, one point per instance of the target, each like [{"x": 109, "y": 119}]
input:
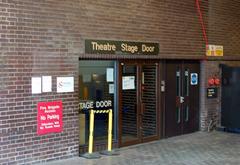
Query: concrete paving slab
[{"x": 201, "y": 148}]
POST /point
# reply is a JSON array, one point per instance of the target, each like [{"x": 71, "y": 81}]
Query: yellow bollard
[
  {"x": 90, "y": 154},
  {"x": 109, "y": 150},
  {"x": 91, "y": 129},
  {"x": 110, "y": 130}
]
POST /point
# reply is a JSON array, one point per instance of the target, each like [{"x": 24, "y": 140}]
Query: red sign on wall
[{"x": 49, "y": 117}]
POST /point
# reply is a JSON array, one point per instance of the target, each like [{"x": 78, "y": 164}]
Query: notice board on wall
[{"x": 49, "y": 117}]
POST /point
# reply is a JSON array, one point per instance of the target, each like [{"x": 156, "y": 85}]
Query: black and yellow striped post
[
  {"x": 90, "y": 154},
  {"x": 109, "y": 151}
]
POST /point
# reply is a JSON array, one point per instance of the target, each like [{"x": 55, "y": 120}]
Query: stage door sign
[{"x": 49, "y": 117}]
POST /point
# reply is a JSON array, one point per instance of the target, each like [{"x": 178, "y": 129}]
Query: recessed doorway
[
  {"x": 181, "y": 97},
  {"x": 138, "y": 102}
]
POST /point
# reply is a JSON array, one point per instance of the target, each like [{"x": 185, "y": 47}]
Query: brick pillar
[{"x": 209, "y": 108}]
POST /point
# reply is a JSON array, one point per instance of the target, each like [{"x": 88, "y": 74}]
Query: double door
[
  {"x": 182, "y": 97},
  {"x": 138, "y": 115}
]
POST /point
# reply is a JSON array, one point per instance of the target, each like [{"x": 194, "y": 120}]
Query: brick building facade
[{"x": 47, "y": 38}]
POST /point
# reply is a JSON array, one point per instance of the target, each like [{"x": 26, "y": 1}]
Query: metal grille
[
  {"x": 129, "y": 111},
  {"x": 129, "y": 117},
  {"x": 149, "y": 100}
]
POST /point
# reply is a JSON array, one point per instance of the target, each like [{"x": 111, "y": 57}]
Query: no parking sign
[{"x": 194, "y": 79}]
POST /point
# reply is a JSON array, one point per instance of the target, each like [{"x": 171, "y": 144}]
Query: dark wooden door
[
  {"x": 182, "y": 97},
  {"x": 138, "y": 116}
]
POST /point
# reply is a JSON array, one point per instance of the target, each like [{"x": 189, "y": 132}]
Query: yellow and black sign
[
  {"x": 121, "y": 47},
  {"x": 214, "y": 50}
]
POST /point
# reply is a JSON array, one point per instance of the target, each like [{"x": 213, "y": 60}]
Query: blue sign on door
[{"x": 194, "y": 79}]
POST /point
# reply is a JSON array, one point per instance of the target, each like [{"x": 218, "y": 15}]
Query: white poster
[
  {"x": 46, "y": 83},
  {"x": 65, "y": 84},
  {"x": 36, "y": 85},
  {"x": 128, "y": 82},
  {"x": 86, "y": 78},
  {"x": 110, "y": 74},
  {"x": 111, "y": 88}
]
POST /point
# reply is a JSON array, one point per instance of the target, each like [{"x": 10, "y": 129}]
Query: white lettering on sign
[
  {"x": 46, "y": 127},
  {"x": 43, "y": 108},
  {"x": 106, "y": 47},
  {"x": 53, "y": 107},
  {"x": 103, "y": 104},
  {"x": 53, "y": 117},
  {"x": 43, "y": 117},
  {"x": 49, "y": 117},
  {"x": 128, "y": 48},
  {"x": 86, "y": 105},
  {"x": 97, "y": 104},
  {"x": 146, "y": 48},
  {"x": 46, "y": 124}
]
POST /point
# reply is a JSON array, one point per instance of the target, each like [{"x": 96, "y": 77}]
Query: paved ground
[{"x": 201, "y": 148}]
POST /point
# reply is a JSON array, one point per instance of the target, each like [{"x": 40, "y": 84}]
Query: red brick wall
[
  {"x": 224, "y": 25},
  {"x": 36, "y": 40},
  {"x": 174, "y": 25},
  {"x": 223, "y": 29},
  {"x": 211, "y": 108},
  {"x": 47, "y": 38}
]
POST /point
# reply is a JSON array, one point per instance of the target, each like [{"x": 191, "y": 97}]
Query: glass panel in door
[
  {"x": 129, "y": 104},
  {"x": 94, "y": 83},
  {"x": 186, "y": 95},
  {"x": 178, "y": 95}
]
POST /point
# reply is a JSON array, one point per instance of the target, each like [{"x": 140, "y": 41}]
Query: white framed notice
[
  {"x": 86, "y": 78},
  {"x": 128, "y": 82},
  {"x": 65, "y": 84},
  {"x": 110, "y": 75},
  {"x": 111, "y": 88},
  {"x": 36, "y": 85},
  {"x": 46, "y": 83}
]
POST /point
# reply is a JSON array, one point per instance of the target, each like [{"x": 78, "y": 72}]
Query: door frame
[
  {"x": 164, "y": 74},
  {"x": 140, "y": 138}
]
